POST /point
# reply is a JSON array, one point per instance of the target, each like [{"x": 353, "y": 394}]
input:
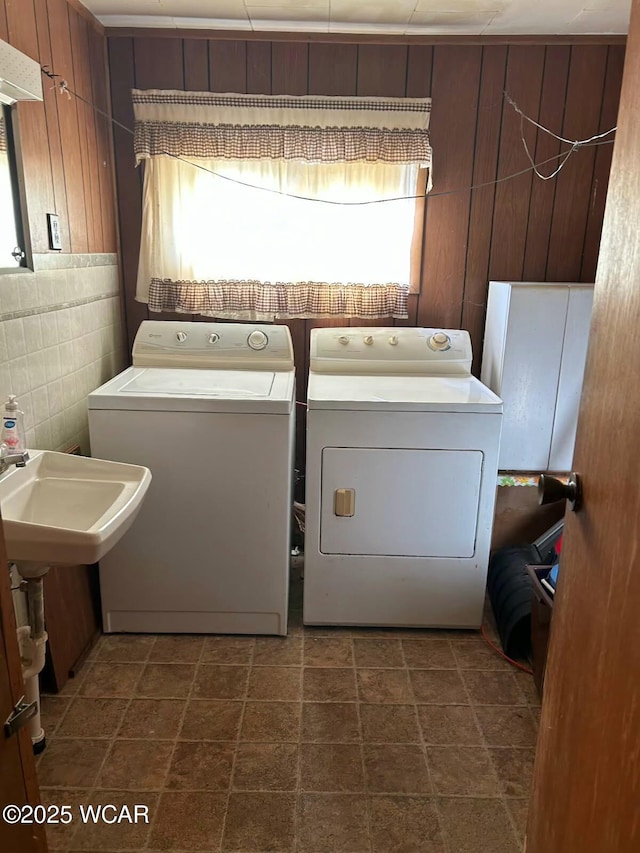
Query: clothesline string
[{"x": 575, "y": 145}]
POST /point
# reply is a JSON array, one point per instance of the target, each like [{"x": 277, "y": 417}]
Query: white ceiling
[{"x": 400, "y": 17}]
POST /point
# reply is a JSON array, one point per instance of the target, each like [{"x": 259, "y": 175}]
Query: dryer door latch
[{"x": 344, "y": 502}]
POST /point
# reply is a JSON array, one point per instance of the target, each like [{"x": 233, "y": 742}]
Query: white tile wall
[{"x": 61, "y": 336}]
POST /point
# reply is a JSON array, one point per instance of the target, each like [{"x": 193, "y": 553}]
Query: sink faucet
[{"x": 8, "y": 458}]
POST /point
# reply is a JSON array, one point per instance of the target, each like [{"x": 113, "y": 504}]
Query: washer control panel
[
  {"x": 242, "y": 346},
  {"x": 394, "y": 350}
]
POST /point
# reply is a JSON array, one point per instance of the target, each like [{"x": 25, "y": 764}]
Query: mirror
[{"x": 12, "y": 253}]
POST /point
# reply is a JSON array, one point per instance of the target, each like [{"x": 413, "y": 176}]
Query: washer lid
[
  {"x": 191, "y": 390},
  {"x": 401, "y": 394}
]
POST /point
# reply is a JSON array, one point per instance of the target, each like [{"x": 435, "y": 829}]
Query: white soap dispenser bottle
[{"x": 13, "y": 426}]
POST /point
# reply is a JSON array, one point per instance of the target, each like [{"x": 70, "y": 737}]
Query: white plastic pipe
[{"x": 33, "y": 641}]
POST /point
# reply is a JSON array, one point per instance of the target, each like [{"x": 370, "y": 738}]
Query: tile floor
[{"x": 327, "y": 741}]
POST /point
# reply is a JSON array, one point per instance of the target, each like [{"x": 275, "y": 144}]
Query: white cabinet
[{"x": 535, "y": 347}]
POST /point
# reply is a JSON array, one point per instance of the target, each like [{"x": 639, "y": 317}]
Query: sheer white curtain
[{"x": 201, "y": 228}]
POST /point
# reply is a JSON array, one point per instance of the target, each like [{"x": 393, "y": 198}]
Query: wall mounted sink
[{"x": 62, "y": 509}]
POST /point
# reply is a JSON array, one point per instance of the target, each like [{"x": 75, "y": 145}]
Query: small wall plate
[{"x": 55, "y": 238}]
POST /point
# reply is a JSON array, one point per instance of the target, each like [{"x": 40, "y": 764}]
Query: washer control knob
[
  {"x": 257, "y": 340},
  {"x": 181, "y": 337},
  {"x": 393, "y": 340},
  {"x": 213, "y": 338},
  {"x": 343, "y": 339},
  {"x": 440, "y": 341},
  {"x": 368, "y": 340}
]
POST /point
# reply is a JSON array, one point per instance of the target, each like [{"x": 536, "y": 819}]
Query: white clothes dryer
[
  {"x": 402, "y": 458},
  {"x": 210, "y": 409}
]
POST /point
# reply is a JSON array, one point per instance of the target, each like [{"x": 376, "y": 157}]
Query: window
[
  {"x": 12, "y": 242},
  {"x": 238, "y": 244}
]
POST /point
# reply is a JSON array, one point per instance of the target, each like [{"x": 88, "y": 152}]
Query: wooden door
[
  {"x": 18, "y": 783},
  {"x": 586, "y": 792}
]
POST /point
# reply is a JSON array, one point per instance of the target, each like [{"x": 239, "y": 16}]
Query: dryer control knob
[
  {"x": 181, "y": 337},
  {"x": 213, "y": 338},
  {"x": 343, "y": 339},
  {"x": 257, "y": 340},
  {"x": 393, "y": 340},
  {"x": 368, "y": 340},
  {"x": 439, "y": 341}
]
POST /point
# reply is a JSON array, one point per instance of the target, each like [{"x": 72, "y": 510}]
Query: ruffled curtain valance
[{"x": 307, "y": 128}]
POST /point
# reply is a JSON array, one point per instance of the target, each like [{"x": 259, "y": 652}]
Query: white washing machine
[
  {"x": 210, "y": 409},
  {"x": 402, "y": 458}
]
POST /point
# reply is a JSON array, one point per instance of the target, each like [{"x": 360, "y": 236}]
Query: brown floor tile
[
  {"x": 71, "y": 763},
  {"x": 59, "y": 835},
  {"x": 188, "y": 821},
  {"x": 331, "y": 767},
  {"x": 201, "y": 765},
  {"x": 453, "y": 725},
  {"x": 278, "y": 651},
  {"x": 476, "y": 654},
  {"x": 111, "y": 680},
  {"x": 505, "y": 726},
  {"x": 405, "y": 825},
  {"x": 295, "y": 626},
  {"x": 73, "y": 685},
  {"x": 396, "y": 769},
  {"x": 323, "y": 651},
  {"x": 462, "y": 770},
  {"x": 52, "y": 710},
  {"x": 329, "y": 684},
  {"x": 275, "y": 682},
  {"x": 514, "y": 767},
  {"x": 271, "y": 721},
  {"x": 438, "y": 687},
  {"x": 330, "y": 722},
  {"x": 384, "y": 686},
  {"x": 124, "y": 648},
  {"x": 221, "y": 682},
  {"x": 211, "y": 720},
  {"x": 528, "y": 688},
  {"x": 136, "y": 764},
  {"x": 492, "y": 688},
  {"x": 116, "y": 836},
  {"x": 378, "y": 653},
  {"x": 519, "y": 811},
  {"x": 266, "y": 767},
  {"x": 166, "y": 680},
  {"x": 332, "y": 823},
  {"x": 260, "y": 822},
  {"x": 229, "y": 650},
  {"x": 94, "y": 718},
  {"x": 389, "y": 724},
  {"x": 428, "y": 654},
  {"x": 477, "y": 826},
  {"x": 155, "y": 719},
  {"x": 180, "y": 648}
]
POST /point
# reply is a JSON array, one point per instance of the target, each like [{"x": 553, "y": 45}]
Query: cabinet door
[
  {"x": 530, "y": 375},
  {"x": 574, "y": 356},
  {"x": 413, "y": 503}
]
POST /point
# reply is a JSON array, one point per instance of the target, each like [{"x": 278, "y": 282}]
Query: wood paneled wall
[
  {"x": 520, "y": 229},
  {"x": 65, "y": 144}
]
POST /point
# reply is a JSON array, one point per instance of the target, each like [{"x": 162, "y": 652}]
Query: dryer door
[{"x": 405, "y": 502}]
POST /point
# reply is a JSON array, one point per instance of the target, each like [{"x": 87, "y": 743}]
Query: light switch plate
[{"x": 55, "y": 238}]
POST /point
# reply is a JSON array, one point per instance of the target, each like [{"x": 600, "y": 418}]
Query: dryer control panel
[
  {"x": 393, "y": 350},
  {"x": 214, "y": 346}
]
